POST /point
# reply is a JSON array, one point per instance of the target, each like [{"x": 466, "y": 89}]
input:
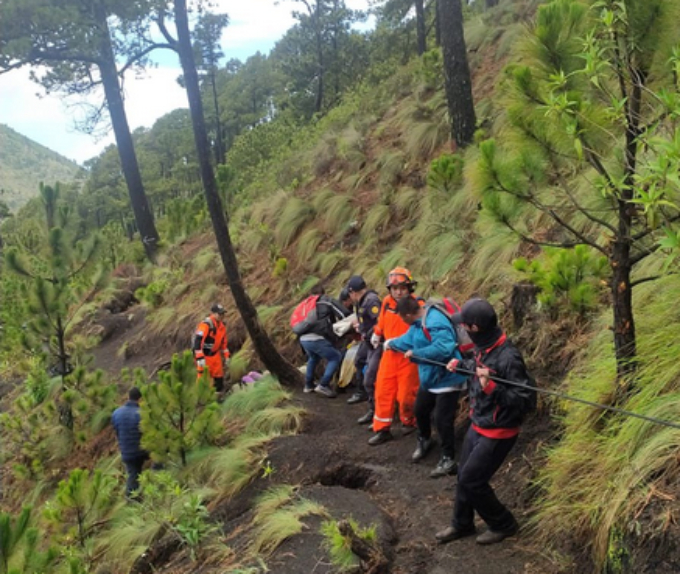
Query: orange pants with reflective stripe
[
  {"x": 397, "y": 380},
  {"x": 215, "y": 365}
]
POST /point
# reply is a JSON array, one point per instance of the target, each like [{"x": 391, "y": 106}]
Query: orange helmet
[{"x": 400, "y": 276}]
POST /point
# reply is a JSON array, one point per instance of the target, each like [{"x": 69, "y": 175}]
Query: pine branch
[{"x": 532, "y": 241}]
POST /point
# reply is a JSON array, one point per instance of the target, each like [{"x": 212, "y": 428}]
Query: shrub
[{"x": 570, "y": 280}]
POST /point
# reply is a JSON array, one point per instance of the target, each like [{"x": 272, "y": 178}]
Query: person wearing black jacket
[
  {"x": 367, "y": 303},
  {"x": 496, "y": 413},
  {"x": 319, "y": 344}
]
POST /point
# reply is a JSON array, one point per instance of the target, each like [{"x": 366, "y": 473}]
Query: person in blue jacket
[
  {"x": 126, "y": 421},
  {"x": 432, "y": 336}
]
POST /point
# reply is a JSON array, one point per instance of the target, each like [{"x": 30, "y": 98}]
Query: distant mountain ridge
[{"x": 25, "y": 163}]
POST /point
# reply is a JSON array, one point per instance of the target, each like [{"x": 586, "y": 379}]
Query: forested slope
[
  {"x": 25, "y": 163},
  {"x": 370, "y": 181}
]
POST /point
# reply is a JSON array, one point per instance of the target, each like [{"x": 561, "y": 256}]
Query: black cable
[{"x": 553, "y": 393}]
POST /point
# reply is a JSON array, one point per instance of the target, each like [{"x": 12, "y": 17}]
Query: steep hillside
[{"x": 25, "y": 163}]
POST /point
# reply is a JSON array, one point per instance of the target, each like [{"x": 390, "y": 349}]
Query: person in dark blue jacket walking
[
  {"x": 125, "y": 421},
  {"x": 431, "y": 336}
]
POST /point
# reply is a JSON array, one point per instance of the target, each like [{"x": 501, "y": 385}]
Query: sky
[{"x": 49, "y": 120}]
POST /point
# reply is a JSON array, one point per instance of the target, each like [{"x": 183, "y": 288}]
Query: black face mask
[{"x": 485, "y": 339}]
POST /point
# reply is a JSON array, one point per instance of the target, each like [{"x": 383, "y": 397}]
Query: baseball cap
[
  {"x": 477, "y": 312},
  {"x": 217, "y": 308},
  {"x": 356, "y": 283}
]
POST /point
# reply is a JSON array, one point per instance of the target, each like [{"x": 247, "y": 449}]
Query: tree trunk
[
  {"x": 625, "y": 347},
  {"x": 126, "y": 148},
  {"x": 272, "y": 359},
  {"x": 219, "y": 143},
  {"x": 491, "y": 3},
  {"x": 420, "y": 27},
  {"x": 458, "y": 83}
]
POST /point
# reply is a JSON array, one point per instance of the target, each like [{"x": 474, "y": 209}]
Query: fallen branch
[{"x": 373, "y": 561}]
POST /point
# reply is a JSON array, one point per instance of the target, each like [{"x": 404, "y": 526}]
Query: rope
[{"x": 554, "y": 394}]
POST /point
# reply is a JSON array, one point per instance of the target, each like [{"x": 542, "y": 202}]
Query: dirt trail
[{"x": 333, "y": 451}]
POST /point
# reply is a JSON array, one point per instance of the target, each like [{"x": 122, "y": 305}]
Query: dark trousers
[
  {"x": 134, "y": 469},
  {"x": 479, "y": 461},
  {"x": 372, "y": 362},
  {"x": 444, "y": 406},
  {"x": 218, "y": 383}
]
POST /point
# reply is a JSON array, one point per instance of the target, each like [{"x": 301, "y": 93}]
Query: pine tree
[
  {"x": 19, "y": 540},
  {"x": 593, "y": 144},
  {"x": 81, "y": 508},
  {"x": 179, "y": 413},
  {"x": 60, "y": 277}
]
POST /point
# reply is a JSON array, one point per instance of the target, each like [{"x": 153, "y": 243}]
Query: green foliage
[
  {"x": 445, "y": 173},
  {"x": 80, "y": 509},
  {"x": 280, "y": 267},
  {"x": 605, "y": 470},
  {"x": 166, "y": 503},
  {"x": 26, "y": 433},
  {"x": 19, "y": 546},
  {"x": 570, "y": 280},
  {"x": 179, "y": 413},
  {"x": 60, "y": 274},
  {"x": 339, "y": 547}
]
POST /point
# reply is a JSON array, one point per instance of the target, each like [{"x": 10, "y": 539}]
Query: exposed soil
[{"x": 335, "y": 465}]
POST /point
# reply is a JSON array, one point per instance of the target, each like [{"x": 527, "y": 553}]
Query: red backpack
[
  {"x": 449, "y": 308},
  {"x": 304, "y": 316}
]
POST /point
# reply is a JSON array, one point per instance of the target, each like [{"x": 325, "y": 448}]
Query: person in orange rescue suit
[
  {"x": 397, "y": 378},
  {"x": 210, "y": 346}
]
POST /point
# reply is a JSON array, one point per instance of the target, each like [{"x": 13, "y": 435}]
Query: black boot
[
  {"x": 367, "y": 418},
  {"x": 424, "y": 446},
  {"x": 380, "y": 437}
]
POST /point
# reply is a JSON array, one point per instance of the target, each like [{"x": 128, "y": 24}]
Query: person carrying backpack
[
  {"x": 209, "y": 346},
  {"x": 432, "y": 336},
  {"x": 496, "y": 413},
  {"x": 313, "y": 322}
]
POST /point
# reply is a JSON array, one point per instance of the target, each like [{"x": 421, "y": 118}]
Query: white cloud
[{"x": 255, "y": 25}]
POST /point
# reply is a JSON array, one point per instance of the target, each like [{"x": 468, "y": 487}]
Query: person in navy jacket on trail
[
  {"x": 126, "y": 421},
  {"x": 496, "y": 412},
  {"x": 431, "y": 336}
]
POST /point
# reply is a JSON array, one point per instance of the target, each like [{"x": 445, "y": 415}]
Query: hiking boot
[
  {"x": 424, "y": 446},
  {"x": 367, "y": 418},
  {"x": 326, "y": 391},
  {"x": 451, "y": 533},
  {"x": 444, "y": 467},
  {"x": 357, "y": 398},
  {"x": 380, "y": 437},
  {"x": 308, "y": 388},
  {"x": 496, "y": 536}
]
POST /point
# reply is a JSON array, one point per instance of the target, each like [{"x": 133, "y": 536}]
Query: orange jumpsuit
[
  {"x": 210, "y": 343},
  {"x": 397, "y": 377}
]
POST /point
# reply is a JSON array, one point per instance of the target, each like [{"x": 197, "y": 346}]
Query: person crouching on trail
[
  {"x": 397, "y": 377},
  {"x": 368, "y": 305},
  {"x": 496, "y": 412},
  {"x": 210, "y": 346},
  {"x": 432, "y": 337}
]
